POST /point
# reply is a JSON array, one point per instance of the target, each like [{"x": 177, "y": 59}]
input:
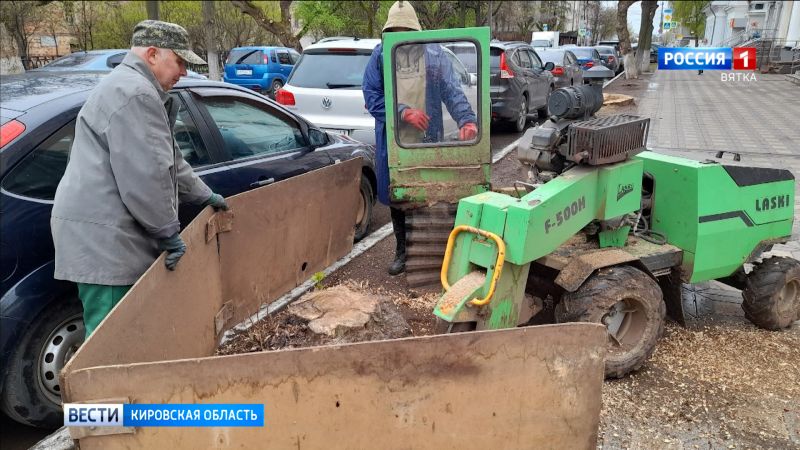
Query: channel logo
[
  {"x": 158, "y": 415},
  {"x": 721, "y": 58}
]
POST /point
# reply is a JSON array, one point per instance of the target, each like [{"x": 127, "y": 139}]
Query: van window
[
  {"x": 283, "y": 58},
  {"x": 245, "y": 56},
  {"x": 38, "y": 175}
]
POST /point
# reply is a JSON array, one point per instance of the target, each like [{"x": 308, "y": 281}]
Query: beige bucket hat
[{"x": 402, "y": 14}]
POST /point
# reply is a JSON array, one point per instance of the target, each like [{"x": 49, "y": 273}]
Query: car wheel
[
  {"x": 32, "y": 392},
  {"x": 276, "y": 84},
  {"x": 522, "y": 118},
  {"x": 364, "y": 216}
]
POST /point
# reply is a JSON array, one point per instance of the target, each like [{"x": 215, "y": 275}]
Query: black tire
[
  {"x": 276, "y": 84},
  {"x": 444, "y": 327},
  {"x": 521, "y": 120},
  {"x": 641, "y": 325},
  {"x": 542, "y": 112},
  {"x": 31, "y": 394},
  {"x": 772, "y": 293},
  {"x": 364, "y": 216}
]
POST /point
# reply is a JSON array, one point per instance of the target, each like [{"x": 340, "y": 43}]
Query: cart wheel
[
  {"x": 444, "y": 327},
  {"x": 772, "y": 293},
  {"x": 630, "y": 304}
]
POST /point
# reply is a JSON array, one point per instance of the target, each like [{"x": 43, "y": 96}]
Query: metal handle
[
  {"x": 498, "y": 266},
  {"x": 262, "y": 182}
]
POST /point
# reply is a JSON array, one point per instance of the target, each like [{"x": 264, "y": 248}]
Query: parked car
[
  {"x": 588, "y": 57},
  {"x": 567, "y": 71},
  {"x": 332, "y": 99},
  {"x": 519, "y": 82},
  {"x": 653, "y": 51},
  {"x": 262, "y": 69},
  {"x": 609, "y": 56},
  {"x": 95, "y": 60},
  {"x": 466, "y": 53},
  {"x": 41, "y": 318}
]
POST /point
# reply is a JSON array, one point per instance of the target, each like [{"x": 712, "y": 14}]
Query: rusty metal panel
[
  {"x": 288, "y": 232},
  {"x": 255, "y": 256},
  {"x": 531, "y": 387},
  {"x": 166, "y": 315}
]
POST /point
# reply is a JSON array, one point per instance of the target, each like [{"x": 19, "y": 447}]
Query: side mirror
[
  {"x": 549, "y": 66},
  {"x": 317, "y": 138},
  {"x": 473, "y": 79}
]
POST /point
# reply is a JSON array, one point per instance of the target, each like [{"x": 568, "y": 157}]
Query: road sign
[
  {"x": 544, "y": 27},
  {"x": 666, "y": 25},
  {"x": 582, "y": 32},
  {"x": 674, "y": 25},
  {"x": 667, "y": 17}
]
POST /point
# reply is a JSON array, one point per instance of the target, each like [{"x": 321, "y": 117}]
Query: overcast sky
[{"x": 635, "y": 15}]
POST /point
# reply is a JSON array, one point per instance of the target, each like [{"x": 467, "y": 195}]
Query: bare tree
[
  {"x": 152, "y": 10},
  {"x": 22, "y": 20},
  {"x": 649, "y": 8},
  {"x": 281, "y": 29},
  {"x": 625, "y": 40},
  {"x": 211, "y": 40},
  {"x": 607, "y": 23}
]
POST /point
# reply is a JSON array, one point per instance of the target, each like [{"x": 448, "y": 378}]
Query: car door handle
[{"x": 260, "y": 183}]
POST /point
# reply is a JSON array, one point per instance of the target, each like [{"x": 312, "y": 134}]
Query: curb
[{"x": 613, "y": 79}]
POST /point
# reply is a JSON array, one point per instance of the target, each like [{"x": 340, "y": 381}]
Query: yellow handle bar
[{"x": 498, "y": 267}]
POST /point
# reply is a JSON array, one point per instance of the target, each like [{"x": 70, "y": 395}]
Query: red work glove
[
  {"x": 416, "y": 118},
  {"x": 468, "y": 132}
]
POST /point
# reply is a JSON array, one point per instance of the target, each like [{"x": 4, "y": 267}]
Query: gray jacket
[{"x": 123, "y": 182}]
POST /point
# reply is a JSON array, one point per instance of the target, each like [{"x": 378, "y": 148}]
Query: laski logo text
[{"x": 684, "y": 58}]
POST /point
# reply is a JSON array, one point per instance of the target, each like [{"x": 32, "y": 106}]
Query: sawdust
[{"x": 713, "y": 385}]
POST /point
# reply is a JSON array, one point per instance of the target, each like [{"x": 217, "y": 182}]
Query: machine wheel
[
  {"x": 443, "y": 327},
  {"x": 542, "y": 112},
  {"x": 364, "y": 215},
  {"x": 522, "y": 118},
  {"x": 772, "y": 293},
  {"x": 630, "y": 304},
  {"x": 32, "y": 391}
]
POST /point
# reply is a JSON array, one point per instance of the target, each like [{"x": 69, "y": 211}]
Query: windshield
[
  {"x": 541, "y": 43},
  {"x": 315, "y": 70},
  {"x": 582, "y": 53},
  {"x": 494, "y": 57},
  {"x": 72, "y": 60},
  {"x": 605, "y": 50},
  {"x": 553, "y": 57}
]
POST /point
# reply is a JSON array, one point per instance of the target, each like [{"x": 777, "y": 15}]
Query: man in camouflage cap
[{"x": 116, "y": 208}]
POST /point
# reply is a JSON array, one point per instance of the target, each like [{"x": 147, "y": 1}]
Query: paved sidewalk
[{"x": 695, "y": 116}]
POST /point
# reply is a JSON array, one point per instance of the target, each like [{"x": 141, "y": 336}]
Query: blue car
[
  {"x": 262, "y": 69},
  {"x": 41, "y": 322},
  {"x": 94, "y": 60},
  {"x": 588, "y": 57}
]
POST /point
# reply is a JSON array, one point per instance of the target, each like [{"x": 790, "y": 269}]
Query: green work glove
[
  {"x": 217, "y": 202},
  {"x": 174, "y": 247}
]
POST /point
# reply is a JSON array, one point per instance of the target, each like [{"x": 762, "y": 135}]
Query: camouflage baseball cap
[{"x": 154, "y": 33}]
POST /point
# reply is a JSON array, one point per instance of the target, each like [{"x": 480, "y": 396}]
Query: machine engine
[{"x": 573, "y": 136}]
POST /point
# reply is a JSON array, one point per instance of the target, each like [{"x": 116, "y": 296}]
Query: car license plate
[
  {"x": 337, "y": 131},
  {"x": 247, "y": 72}
]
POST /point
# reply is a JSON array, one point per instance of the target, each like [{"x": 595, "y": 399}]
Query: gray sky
[{"x": 635, "y": 15}]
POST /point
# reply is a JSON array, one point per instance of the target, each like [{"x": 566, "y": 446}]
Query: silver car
[
  {"x": 567, "y": 71},
  {"x": 610, "y": 57}
]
